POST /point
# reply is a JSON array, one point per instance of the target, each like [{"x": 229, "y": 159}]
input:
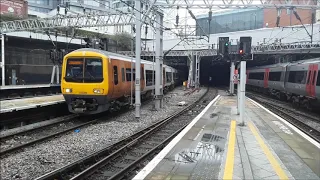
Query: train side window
[
  {"x": 274, "y": 76},
  {"x": 257, "y": 76},
  {"x": 150, "y": 78},
  {"x": 298, "y": 77},
  {"x": 115, "y": 74},
  {"x": 128, "y": 74},
  {"x": 309, "y": 77},
  {"x": 318, "y": 79},
  {"x": 123, "y": 76}
]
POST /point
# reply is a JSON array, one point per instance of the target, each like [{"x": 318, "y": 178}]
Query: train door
[
  {"x": 164, "y": 77},
  {"x": 116, "y": 79},
  {"x": 142, "y": 78},
  {"x": 247, "y": 77},
  {"x": 311, "y": 83},
  {"x": 123, "y": 80},
  {"x": 266, "y": 78}
]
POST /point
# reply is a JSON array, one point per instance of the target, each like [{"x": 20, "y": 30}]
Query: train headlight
[
  {"x": 98, "y": 91},
  {"x": 68, "y": 90}
]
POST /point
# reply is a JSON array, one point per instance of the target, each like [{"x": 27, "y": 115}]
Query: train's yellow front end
[{"x": 84, "y": 82}]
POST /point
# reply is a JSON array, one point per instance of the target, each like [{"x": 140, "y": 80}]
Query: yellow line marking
[
  {"x": 228, "y": 169},
  {"x": 276, "y": 166}
]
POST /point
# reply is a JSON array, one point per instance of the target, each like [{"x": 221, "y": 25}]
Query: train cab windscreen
[{"x": 84, "y": 70}]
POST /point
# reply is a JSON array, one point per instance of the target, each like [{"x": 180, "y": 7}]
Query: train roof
[
  {"x": 118, "y": 56},
  {"x": 308, "y": 61}
]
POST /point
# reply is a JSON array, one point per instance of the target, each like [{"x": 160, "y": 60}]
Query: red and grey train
[{"x": 298, "y": 82}]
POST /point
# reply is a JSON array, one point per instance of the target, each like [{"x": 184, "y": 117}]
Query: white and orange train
[{"x": 94, "y": 81}]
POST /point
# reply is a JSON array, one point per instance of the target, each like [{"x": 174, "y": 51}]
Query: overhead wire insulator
[
  {"x": 210, "y": 16},
  {"x": 177, "y": 17},
  {"x": 191, "y": 14},
  {"x": 134, "y": 29},
  {"x": 177, "y": 20}
]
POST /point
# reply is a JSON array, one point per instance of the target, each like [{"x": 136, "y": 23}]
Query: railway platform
[
  {"x": 29, "y": 103},
  {"x": 32, "y": 86},
  {"x": 215, "y": 146},
  {"x": 22, "y": 91}
]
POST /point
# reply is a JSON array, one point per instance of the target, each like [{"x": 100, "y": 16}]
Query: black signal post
[{"x": 245, "y": 48}]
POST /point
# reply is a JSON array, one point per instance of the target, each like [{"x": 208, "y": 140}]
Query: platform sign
[
  {"x": 137, "y": 81},
  {"x": 236, "y": 78}
]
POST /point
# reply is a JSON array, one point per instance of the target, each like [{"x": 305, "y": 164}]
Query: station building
[{"x": 250, "y": 19}]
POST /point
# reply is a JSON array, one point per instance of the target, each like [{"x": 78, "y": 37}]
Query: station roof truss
[
  {"x": 61, "y": 21},
  {"x": 290, "y": 48},
  {"x": 241, "y": 4},
  {"x": 117, "y": 17},
  {"x": 204, "y": 52}
]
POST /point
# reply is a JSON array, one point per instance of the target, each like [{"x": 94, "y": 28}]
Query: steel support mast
[
  {"x": 242, "y": 90},
  {"x": 238, "y": 91},
  {"x": 3, "y": 68},
  {"x": 231, "y": 89},
  {"x": 138, "y": 57},
  {"x": 159, "y": 61}
]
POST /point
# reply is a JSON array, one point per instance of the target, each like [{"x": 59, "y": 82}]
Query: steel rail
[
  {"x": 310, "y": 131},
  {"x": 97, "y": 159}
]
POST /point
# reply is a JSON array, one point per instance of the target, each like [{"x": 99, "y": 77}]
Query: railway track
[
  {"x": 17, "y": 141},
  {"x": 124, "y": 158},
  {"x": 289, "y": 107},
  {"x": 301, "y": 120},
  {"x": 20, "y": 140},
  {"x": 14, "y": 119}
]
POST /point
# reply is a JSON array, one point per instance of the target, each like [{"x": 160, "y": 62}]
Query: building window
[
  {"x": 41, "y": 2},
  {"x": 37, "y": 9}
]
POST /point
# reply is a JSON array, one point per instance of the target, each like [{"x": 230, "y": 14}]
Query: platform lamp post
[{"x": 3, "y": 68}]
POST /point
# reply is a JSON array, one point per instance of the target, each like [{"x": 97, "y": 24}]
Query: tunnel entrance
[{"x": 218, "y": 70}]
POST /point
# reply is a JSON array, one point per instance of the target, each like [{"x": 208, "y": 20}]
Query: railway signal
[
  {"x": 88, "y": 42},
  {"x": 223, "y": 45},
  {"x": 103, "y": 44}
]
